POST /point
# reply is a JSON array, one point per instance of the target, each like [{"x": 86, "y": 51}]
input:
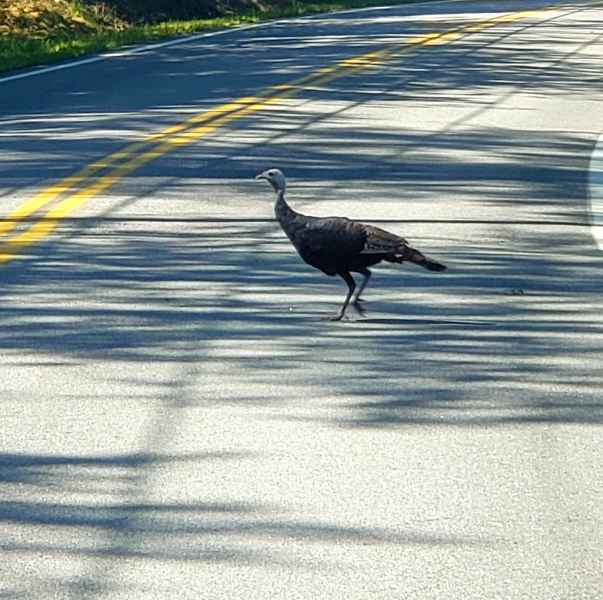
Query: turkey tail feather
[
  {"x": 432, "y": 265},
  {"x": 414, "y": 256}
]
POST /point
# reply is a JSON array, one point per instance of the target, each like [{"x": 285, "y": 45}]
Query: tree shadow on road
[
  {"x": 97, "y": 510},
  {"x": 461, "y": 350},
  {"x": 508, "y": 337}
]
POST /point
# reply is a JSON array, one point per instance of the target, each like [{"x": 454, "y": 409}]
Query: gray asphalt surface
[{"x": 177, "y": 421}]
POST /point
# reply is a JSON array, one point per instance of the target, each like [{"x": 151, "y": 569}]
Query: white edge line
[
  {"x": 119, "y": 54},
  {"x": 198, "y": 36},
  {"x": 595, "y": 192},
  {"x": 369, "y": 8}
]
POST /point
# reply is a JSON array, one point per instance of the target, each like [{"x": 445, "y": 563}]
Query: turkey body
[
  {"x": 340, "y": 246},
  {"x": 336, "y": 244}
]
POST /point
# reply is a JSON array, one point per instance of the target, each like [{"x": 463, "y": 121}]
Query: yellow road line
[
  {"x": 192, "y": 129},
  {"x": 44, "y": 226},
  {"x": 51, "y": 193}
]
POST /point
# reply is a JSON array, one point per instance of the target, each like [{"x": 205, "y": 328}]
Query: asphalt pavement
[{"x": 179, "y": 422}]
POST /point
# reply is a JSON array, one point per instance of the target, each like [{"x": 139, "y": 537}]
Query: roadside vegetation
[{"x": 34, "y": 32}]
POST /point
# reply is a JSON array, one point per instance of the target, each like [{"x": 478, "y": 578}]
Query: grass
[
  {"x": 76, "y": 31},
  {"x": 23, "y": 51}
]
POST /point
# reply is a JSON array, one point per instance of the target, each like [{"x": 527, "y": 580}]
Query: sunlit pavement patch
[{"x": 595, "y": 183}]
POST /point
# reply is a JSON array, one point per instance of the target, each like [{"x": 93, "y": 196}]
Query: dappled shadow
[
  {"x": 71, "y": 126},
  {"x": 508, "y": 337},
  {"x": 505, "y": 311},
  {"x": 96, "y": 509},
  {"x": 464, "y": 349}
]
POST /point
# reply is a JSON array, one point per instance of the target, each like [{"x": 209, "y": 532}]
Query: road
[{"x": 178, "y": 422}]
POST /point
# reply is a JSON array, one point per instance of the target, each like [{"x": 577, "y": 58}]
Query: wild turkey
[{"x": 339, "y": 246}]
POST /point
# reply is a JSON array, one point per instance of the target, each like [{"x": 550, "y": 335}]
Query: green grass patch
[
  {"x": 20, "y": 51},
  {"x": 26, "y": 50}
]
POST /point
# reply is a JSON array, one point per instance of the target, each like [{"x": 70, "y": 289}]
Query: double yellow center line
[{"x": 73, "y": 191}]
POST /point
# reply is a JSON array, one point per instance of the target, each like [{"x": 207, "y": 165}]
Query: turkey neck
[{"x": 284, "y": 213}]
